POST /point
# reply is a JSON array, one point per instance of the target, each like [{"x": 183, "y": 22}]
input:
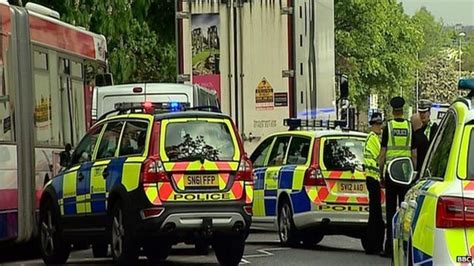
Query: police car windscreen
[
  {"x": 199, "y": 140},
  {"x": 343, "y": 154}
]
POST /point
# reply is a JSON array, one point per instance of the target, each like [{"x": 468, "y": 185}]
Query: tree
[
  {"x": 376, "y": 45},
  {"x": 140, "y": 47},
  {"x": 438, "y": 79},
  {"x": 435, "y": 35},
  {"x": 468, "y": 54}
]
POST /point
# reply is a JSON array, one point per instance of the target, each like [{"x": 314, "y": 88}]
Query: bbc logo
[{"x": 464, "y": 259}]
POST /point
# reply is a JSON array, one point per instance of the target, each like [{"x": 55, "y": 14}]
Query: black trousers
[
  {"x": 394, "y": 195},
  {"x": 376, "y": 226}
]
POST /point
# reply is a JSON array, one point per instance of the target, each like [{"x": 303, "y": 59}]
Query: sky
[{"x": 451, "y": 11}]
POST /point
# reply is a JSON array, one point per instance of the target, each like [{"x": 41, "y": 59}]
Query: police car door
[
  {"x": 466, "y": 173},
  {"x": 423, "y": 198},
  {"x": 292, "y": 174},
  {"x": 259, "y": 161},
  {"x": 276, "y": 161},
  {"x": 75, "y": 179},
  {"x": 106, "y": 152}
]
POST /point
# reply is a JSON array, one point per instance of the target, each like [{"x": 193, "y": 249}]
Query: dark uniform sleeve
[
  {"x": 434, "y": 129},
  {"x": 414, "y": 139},
  {"x": 384, "y": 137}
]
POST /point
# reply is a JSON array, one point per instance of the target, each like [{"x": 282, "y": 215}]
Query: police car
[
  {"x": 309, "y": 183},
  {"x": 435, "y": 223},
  {"x": 150, "y": 178}
]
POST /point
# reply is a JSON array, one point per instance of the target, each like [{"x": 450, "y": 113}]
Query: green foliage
[
  {"x": 376, "y": 45},
  {"x": 438, "y": 78},
  {"x": 140, "y": 46},
  {"x": 435, "y": 35}
]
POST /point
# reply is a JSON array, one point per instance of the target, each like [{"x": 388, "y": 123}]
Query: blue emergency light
[
  {"x": 174, "y": 106},
  {"x": 151, "y": 107}
]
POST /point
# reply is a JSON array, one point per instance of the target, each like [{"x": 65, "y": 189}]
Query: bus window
[
  {"x": 77, "y": 83},
  {"x": 7, "y": 117},
  {"x": 43, "y": 116}
]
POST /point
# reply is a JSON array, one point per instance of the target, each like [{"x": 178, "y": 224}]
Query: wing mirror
[{"x": 401, "y": 171}]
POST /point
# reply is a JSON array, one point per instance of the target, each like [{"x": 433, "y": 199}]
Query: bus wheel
[{"x": 53, "y": 247}]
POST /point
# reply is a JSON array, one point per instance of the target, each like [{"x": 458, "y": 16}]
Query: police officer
[
  {"x": 397, "y": 142},
  {"x": 375, "y": 227},
  {"x": 424, "y": 110}
]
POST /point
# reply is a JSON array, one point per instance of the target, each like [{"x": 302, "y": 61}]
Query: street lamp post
[{"x": 461, "y": 35}]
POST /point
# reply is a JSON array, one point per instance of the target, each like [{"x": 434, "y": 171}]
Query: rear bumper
[
  {"x": 200, "y": 218},
  {"x": 184, "y": 219},
  {"x": 314, "y": 219}
]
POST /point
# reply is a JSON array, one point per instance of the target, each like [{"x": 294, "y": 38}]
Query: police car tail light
[
  {"x": 313, "y": 177},
  {"x": 245, "y": 173},
  {"x": 153, "y": 171},
  {"x": 455, "y": 212}
]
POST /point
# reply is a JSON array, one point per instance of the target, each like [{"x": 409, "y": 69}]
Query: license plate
[
  {"x": 201, "y": 181},
  {"x": 346, "y": 187}
]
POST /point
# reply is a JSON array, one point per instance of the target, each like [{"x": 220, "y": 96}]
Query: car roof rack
[
  {"x": 156, "y": 108},
  {"x": 297, "y": 123}
]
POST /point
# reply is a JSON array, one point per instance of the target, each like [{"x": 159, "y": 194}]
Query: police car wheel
[
  {"x": 286, "y": 227},
  {"x": 229, "y": 250},
  {"x": 53, "y": 247},
  {"x": 124, "y": 247},
  {"x": 312, "y": 239},
  {"x": 157, "y": 250},
  {"x": 100, "y": 250},
  {"x": 202, "y": 247}
]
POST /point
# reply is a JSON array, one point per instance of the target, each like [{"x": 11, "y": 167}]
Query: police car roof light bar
[
  {"x": 157, "y": 107},
  {"x": 295, "y": 123}
]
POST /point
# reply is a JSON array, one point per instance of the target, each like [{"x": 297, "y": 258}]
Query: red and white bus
[{"x": 47, "y": 71}]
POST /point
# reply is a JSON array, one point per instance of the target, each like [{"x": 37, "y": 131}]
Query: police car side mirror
[{"x": 401, "y": 171}]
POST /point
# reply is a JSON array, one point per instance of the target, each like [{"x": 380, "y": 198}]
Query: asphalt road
[{"x": 262, "y": 248}]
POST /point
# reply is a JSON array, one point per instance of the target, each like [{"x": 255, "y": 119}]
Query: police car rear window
[
  {"x": 343, "y": 153},
  {"x": 195, "y": 140}
]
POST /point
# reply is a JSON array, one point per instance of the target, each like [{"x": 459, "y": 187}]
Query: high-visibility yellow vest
[
  {"x": 371, "y": 156},
  {"x": 399, "y": 140}
]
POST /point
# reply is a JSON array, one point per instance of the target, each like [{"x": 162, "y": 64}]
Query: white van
[{"x": 105, "y": 98}]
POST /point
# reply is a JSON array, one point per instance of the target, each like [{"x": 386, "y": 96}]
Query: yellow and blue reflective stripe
[{"x": 286, "y": 177}]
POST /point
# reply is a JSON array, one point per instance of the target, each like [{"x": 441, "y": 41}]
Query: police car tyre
[
  {"x": 311, "y": 240},
  {"x": 53, "y": 247},
  {"x": 201, "y": 247},
  {"x": 123, "y": 245},
  {"x": 229, "y": 250},
  {"x": 286, "y": 227},
  {"x": 157, "y": 250},
  {"x": 100, "y": 250}
]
